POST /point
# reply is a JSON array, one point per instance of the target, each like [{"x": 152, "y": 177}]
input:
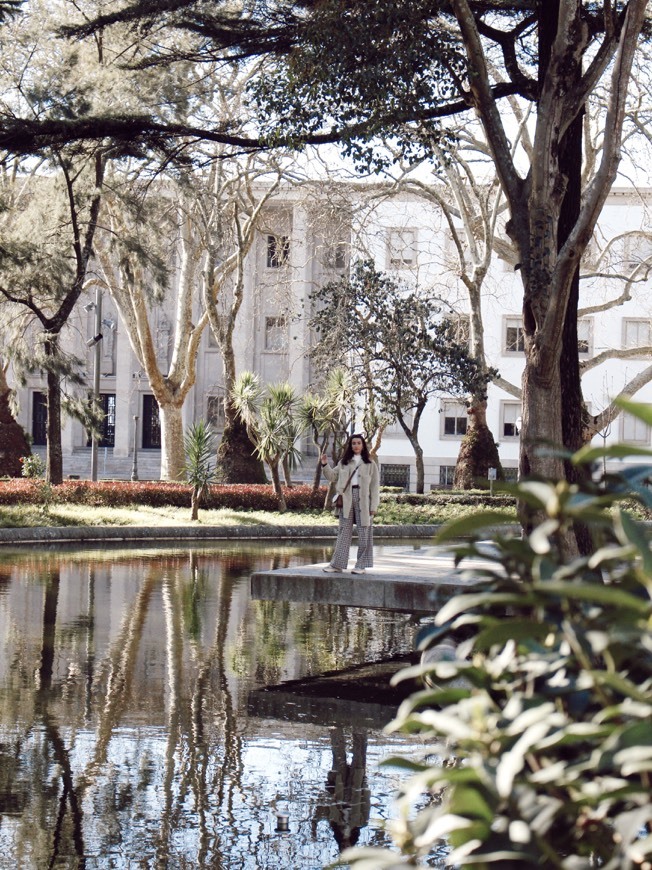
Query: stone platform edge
[{"x": 98, "y": 534}]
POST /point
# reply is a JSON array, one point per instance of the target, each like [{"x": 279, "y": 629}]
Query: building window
[
  {"x": 276, "y": 335},
  {"x": 514, "y": 336},
  {"x": 151, "y": 423},
  {"x": 107, "y": 429},
  {"x": 215, "y": 416},
  {"x": 278, "y": 251},
  {"x": 510, "y": 419},
  {"x": 335, "y": 256},
  {"x": 585, "y": 336},
  {"x": 39, "y": 418},
  {"x": 395, "y": 475},
  {"x": 638, "y": 250},
  {"x": 401, "y": 248},
  {"x": 637, "y": 333},
  {"x": 454, "y": 419},
  {"x": 446, "y": 475},
  {"x": 634, "y": 431},
  {"x": 510, "y": 473}
]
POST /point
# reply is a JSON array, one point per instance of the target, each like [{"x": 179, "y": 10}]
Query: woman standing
[{"x": 358, "y": 482}]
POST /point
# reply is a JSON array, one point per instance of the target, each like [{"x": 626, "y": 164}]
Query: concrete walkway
[{"x": 406, "y": 580}]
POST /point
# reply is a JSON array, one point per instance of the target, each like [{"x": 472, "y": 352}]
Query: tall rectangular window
[
  {"x": 446, "y": 475},
  {"x": 335, "y": 256},
  {"x": 215, "y": 416},
  {"x": 39, "y": 418},
  {"x": 454, "y": 419},
  {"x": 151, "y": 423},
  {"x": 107, "y": 429},
  {"x": 514, "y": 336},
  {"x": 510, "y": 413},
  {"x": 634, "y": 431},
  {"x": 276, "y": 334},
  {"x": 278, "y": 251},
  {"x": 401, "y": 248},
  {"x": 585, "y": 336}
]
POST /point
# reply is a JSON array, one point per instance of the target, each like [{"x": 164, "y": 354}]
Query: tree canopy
[{"x": 399, "y": 345}]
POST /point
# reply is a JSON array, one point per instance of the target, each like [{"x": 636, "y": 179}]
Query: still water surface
[{"x": 136, "y": 727}]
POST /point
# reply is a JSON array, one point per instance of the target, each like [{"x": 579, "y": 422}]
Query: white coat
[{"x": 368, "y": 481}]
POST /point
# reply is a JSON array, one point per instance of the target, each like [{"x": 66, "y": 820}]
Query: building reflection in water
[{"x": 125, "y": 735}]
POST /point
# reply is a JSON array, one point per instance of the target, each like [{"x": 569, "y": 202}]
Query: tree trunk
[
  {"x": 570, "y": 164},
  {"x": 236, "y": 458},
  {"x": 276, "y": 482},
  {"x": 541, "y": 422},
  {"x": 194, "y": 504},
  {"x": 287, "y": 471},
  {"x": 478, "y": 450},
  {"x": 542, "y": 414},
  {"x": 573, "y": 407},
  {"x": 172, "y": 453},
  {"x": 13, "y": 440},
  {"x": 54, "y": 455},
  {"x": 316, "y": 478},
  {"x": 413, "y": 438}
]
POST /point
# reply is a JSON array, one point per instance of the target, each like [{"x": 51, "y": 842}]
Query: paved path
[{"x": 411, "y": 580}]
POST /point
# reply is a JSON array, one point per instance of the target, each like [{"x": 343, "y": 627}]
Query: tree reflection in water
[{"x": 124, "y": 733}]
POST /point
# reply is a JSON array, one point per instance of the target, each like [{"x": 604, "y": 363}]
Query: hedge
[{"x": 157, "y": 494}]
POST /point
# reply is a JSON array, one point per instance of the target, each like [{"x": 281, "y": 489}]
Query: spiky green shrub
[
  {"x": 199, "y": 469},
  {"x": 538, "y": 727}
]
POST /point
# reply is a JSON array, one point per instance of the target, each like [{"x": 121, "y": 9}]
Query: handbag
[{"x": 338, "y": 500}]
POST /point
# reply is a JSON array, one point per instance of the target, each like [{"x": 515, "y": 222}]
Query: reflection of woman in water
[{"x": 349, "y": 803}]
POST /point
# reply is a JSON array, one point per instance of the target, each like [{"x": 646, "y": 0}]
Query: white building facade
[{"x": 295, "y": 252}]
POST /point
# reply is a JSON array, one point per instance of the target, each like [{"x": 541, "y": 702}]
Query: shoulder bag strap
[{"x": 348, "y": 481}]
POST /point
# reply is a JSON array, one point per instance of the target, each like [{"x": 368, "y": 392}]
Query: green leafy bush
[
  {"x": 32, "y": 466},
  {"x": 542, "y": 715}
]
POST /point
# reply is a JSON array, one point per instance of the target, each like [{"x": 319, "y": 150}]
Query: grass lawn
[{"x": 389, "y": 513}]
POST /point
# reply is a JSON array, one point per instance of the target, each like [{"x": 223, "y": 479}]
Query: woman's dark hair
[{"x": 348, "y": 452}]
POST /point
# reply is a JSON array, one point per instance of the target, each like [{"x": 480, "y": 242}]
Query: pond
[{"x": 153, "y": 715}]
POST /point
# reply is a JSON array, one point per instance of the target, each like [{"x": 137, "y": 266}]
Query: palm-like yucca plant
[
  {"x": 313, "y": 416},
  {"x": 339, "y": 398},
  {"x": 325, "y": 415},
  {"x": 271, "y": 424},
  {"x": 283, "y": 400},
  {"x": 199, "y": 448}
]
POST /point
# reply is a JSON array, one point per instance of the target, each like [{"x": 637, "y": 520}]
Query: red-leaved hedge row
[{"x": 157, "y": 494}]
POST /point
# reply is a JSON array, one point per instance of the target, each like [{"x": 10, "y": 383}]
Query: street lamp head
[{"x": 94, "y": 340}]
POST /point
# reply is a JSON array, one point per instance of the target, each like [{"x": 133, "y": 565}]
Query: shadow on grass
[
  {"x": 31, "y": 518},
  {"x": 259, "y": 518}
]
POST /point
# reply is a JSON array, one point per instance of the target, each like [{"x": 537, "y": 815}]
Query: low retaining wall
[{"x": 98, "y": 534}]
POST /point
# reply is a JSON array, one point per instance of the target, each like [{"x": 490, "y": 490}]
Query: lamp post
[{"x": 134, "y": 467}]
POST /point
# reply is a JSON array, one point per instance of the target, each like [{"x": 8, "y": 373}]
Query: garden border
[{"x": 98, "y": 534}]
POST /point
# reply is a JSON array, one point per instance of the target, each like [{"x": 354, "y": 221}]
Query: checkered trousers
[{"x": 365, "y": 558}]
